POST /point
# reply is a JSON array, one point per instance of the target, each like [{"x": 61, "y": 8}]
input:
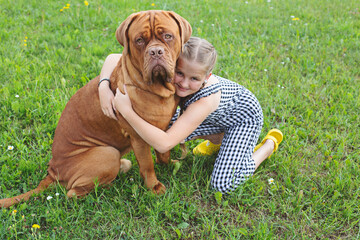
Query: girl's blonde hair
[{"x": 201, "y": 51}]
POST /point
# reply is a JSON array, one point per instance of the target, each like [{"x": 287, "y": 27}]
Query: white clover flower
[
  {"x": 268, "y": 0},
  {"x": 235, "y": 20},
  {"x": 16, "y": 96},
  {"x": 57, "y": 194},
  {"x": 246, "y": 2},
  {"x": 282, "y": 63},
  {"x": 271, "y": 181},
  {"x": 279, "y": 86},
  {"x": 201, "y": 21},
  {"x": 131, "y": 179},
  {"x": 49, "y": 197},
  {"x": 292, "y": 16},
  {"x": 10, "y": 148},
  {"x": 212, "y": 24},
  {"x": 265, "y": 70}
]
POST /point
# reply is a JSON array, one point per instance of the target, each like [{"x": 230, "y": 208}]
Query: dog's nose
[{"x": 156, "y": 52}]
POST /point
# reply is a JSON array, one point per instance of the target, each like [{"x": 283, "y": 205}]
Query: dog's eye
[
  {"x": 168, "y": 36},
  {"x": 139, "y": 40}
]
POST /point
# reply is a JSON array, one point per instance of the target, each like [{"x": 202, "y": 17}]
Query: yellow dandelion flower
[
  {"x": 35, "y": 226},
  {"x": 296, "y": 19},
  {"x": 153, "y": 4},
  {"x": 86, "y": 3},
  {"x": 68, "y": 5},
  {"x": 25, "y": 40},
  {"x": 26, "y": 37},
  {"x": 14, "y": 211},
  {"x": 25, "y": 44},
  {"x": 61, "y": 10}
]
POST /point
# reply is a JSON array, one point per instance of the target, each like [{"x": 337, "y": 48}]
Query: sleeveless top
[{"x": 237, "y": 104}]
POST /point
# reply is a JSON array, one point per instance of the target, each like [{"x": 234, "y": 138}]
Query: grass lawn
[{"x": 300, "y": 58}]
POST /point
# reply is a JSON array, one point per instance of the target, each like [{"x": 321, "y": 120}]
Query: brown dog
[{"x": 88, "y": 145}]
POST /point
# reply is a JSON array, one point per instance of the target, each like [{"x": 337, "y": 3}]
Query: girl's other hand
[
  {"x": 106, "y": 100},
  {"x": 122, "y": 102}
]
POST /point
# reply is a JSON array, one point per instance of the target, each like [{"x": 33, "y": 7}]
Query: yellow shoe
[
  {"x": 275, "y": 135},
  {"x": 206, "y": 148}
]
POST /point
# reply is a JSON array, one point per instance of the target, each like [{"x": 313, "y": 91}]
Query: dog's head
[{"x": 152, "y": 41}]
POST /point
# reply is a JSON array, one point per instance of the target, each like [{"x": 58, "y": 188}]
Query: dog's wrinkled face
[
  {"x": 155, "y": 38},
  {"x": 153, "y": 41}
]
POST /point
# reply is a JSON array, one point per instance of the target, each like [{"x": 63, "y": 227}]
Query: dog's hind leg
[{"x": 98, "y": 165}]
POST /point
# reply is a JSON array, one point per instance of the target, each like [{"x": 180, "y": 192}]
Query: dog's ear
[
  {"x": 184, "y": 26},
  {"x": 122, "y": 31}
]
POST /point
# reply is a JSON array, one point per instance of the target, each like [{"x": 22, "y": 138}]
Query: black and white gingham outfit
[{"x": 240, "y": 117}]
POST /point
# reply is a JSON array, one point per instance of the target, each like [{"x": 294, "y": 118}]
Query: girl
[{"x": 211, "y": 107}]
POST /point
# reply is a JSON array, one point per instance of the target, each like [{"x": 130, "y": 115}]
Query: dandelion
[
  {"x": 296, "y": 19},
  {"x": 153, "y": 4},
  {"x": 11, "y": 148},
  {"x": 35, "y": 226},
  {"x": 271, "y": 181},
  {"x": 68, "y": 5},
  {"x": 86, "y": 3},
  {"x": 14, "y": 212},
  {"x": 26, "y": 37},
  {"x": 61, "y": 10},
  {"x": 49, "y": 197}
]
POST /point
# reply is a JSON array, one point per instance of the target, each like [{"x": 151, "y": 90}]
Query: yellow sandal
[
  {"x": 206, "y": 148},
  {"x": 275, "y": 135}
]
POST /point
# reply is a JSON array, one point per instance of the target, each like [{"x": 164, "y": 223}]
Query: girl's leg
[
  {"x": 267, "y": 146},
  {"x": 234, "y": 163},
  {"x": 263, "y": 152}
]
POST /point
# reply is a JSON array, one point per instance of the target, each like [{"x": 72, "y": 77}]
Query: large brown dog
[{"x": 88, "y": 145}]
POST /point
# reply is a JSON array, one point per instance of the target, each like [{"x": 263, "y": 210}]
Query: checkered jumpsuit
[{"x": 239, "y": 116}]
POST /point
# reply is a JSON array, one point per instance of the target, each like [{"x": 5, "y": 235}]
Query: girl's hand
[
  {"x": 106, "y": 97},
  {"x": 122, "y": 102}
]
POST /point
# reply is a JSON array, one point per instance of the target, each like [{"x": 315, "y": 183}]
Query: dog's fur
[{"x": 88, "y": 145}]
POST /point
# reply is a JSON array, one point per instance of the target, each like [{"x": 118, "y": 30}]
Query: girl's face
[{"x": 189, "y": 77}]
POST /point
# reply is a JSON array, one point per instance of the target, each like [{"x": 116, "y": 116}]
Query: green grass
[{"x": 304, "y": 72}]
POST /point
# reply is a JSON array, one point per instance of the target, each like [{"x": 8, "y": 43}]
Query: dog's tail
[{"x": 44, "y": 184}]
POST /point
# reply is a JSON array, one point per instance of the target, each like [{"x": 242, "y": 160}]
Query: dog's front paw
[{"x": 159, "y": 188}]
